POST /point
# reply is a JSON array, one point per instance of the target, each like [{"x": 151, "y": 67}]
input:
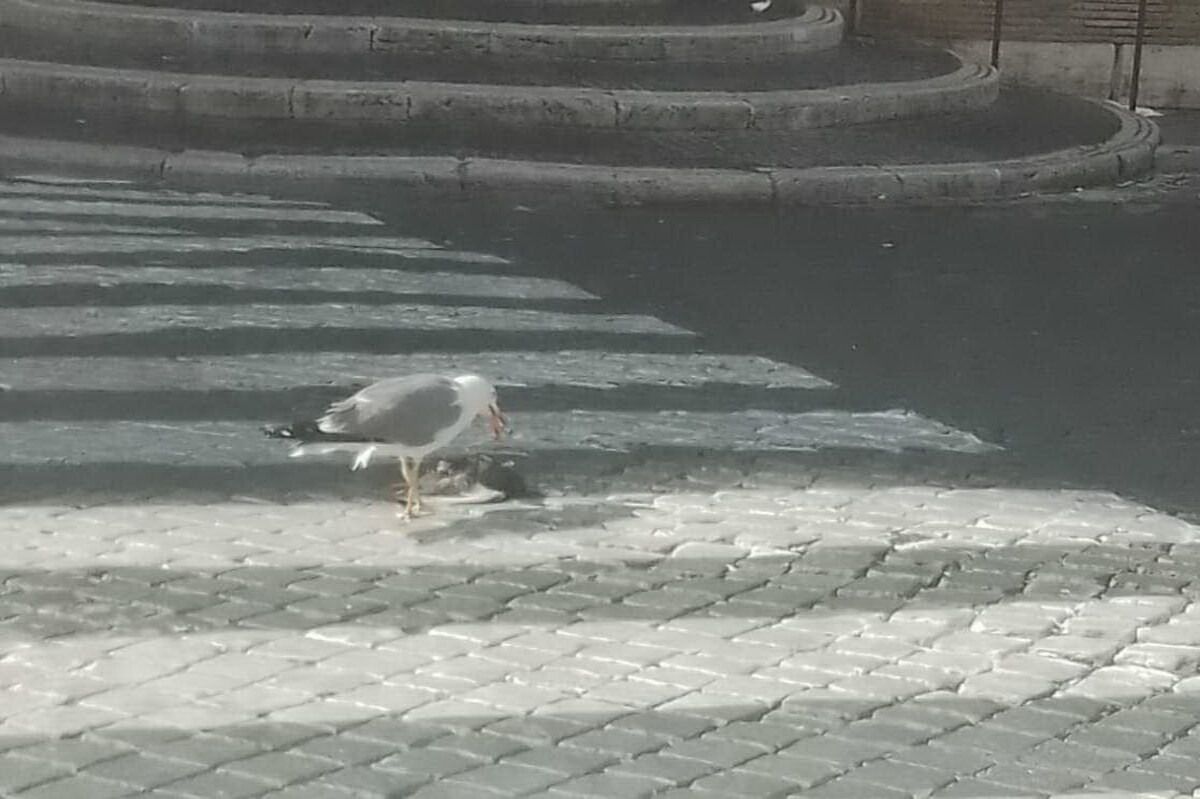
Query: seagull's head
[{"x": 478, "y": 396}]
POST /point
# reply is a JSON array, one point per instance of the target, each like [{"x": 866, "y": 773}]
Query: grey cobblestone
[
  {"x": 1031, "y": 720},
  {"x": 144, "y": 771},
  {"x": 428, "y": 762},
  {"x": 668, "y": 769},
  {"x": 17, "y": 772},
  {"x": 504, "y": 778},
  {"x": 1079, "y": 708},
  {"x": 845, "y": 752},
  {"x": 1147, "y": 718},
  {"x": 912, "y": 779},
  {"x": 366, "y": 781},
  {"x": 607, "y": 785},
  {"x": 78, "y": 786},
  {"x": 1105, "y": 736},
  {"x": 215, "y": 783},
  {"x": 1055, "y": 754},
  {"x": 974, "y": 787},
  {"x": 564, "y": 762},
  {"x": 846, "y": 787},
  {"x": 1139, "y": 781},
  {"x": 617, "y": 742},
  {"x": 989, "y": 739},
  {"x": 483, "y": 746},
  {"x": 1173, "y": 765},
  {"x": 1034, "y": 779},
  {"x": 280, "y": 768},
  {"x": 313, "y": 790},
  {"x": 739, "y": 782},
  {"x": 955, "y": 760},
  {"x": 800, "y": 772},
  {"x": 540, "y": 730}
]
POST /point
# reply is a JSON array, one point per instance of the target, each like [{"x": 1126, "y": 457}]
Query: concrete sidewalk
[{"x": 789, "y": 634}]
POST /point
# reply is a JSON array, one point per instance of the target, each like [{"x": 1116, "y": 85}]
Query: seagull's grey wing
[{"x": 404, "y": 410}]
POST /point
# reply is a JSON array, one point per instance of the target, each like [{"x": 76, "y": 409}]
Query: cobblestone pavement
[{"x": 720, "y": 602}]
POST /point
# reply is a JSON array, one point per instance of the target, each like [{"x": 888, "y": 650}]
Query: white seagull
[{"x": 408, "y": 417}]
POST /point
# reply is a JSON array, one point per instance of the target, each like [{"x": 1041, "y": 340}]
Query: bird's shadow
[{"x": 525, "y": 516}]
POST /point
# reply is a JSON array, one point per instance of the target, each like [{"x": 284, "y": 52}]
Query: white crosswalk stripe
[
  {"x": 327, "y": 278},
  {"x": 35, "y": 186},
  {"x": 91, "y": 321},
  {"x": 162, "y": 210},
  {"x": 56, "y": 225},
  {"x": 43, "y": 219},
  {"x": 384, "y": 245}
]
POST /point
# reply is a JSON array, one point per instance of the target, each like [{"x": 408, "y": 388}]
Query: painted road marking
[
  {"x": 105, "y": 190},
  {"x": 162, "y": 210},
  {"x": 399, "y": 246},
  {"x": 272, "y": 372},
  {"x": 96, "y": 321},
  {"x": 323, "y": 278}
]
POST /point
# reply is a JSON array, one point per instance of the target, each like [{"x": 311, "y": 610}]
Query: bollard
[
  {"x": 1138, "y": 39},
  {"x": 997, "y": 24}
]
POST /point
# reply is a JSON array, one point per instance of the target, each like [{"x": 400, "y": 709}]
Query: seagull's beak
[{"x": 497, "y": 421}]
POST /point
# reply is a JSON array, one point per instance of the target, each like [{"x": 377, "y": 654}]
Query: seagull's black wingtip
[
  {"x": 278, "y": 431},
  {"x": 302, "y": 431},
  {"x": 308, "y": 431}
]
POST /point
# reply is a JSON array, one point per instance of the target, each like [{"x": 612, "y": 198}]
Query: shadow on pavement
[
  {"x": 947, "y": 662},
  {"x": 820, "y": 742},
  {"x": 586, "y": 471},
  {"x": 825, "y": 590}
]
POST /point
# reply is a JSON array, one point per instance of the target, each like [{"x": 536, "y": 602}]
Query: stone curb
[
  {"x": 182, "y": 31},
  {"x": 36, "y": 84},
  {"x": 1128, "y": 154}
]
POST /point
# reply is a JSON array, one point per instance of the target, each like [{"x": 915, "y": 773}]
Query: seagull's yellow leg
[
  {"x": 400, "y": 489},
  {"x": 414, "y": 499},
  {"x": 411, "y": 469},
  {"x": 408, "y": 483}
]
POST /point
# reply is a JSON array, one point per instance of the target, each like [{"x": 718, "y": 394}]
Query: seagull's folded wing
[{"x": 410, "y": 411}]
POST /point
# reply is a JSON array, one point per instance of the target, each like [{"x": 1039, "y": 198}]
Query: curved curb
[
  {"x": 1128, "y": 154},
  {"x": 177, "y": 31},
  {"x": 37, "y": 83}
]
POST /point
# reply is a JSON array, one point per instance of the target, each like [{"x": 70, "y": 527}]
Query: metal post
[
  {"x": 997, "y": 25},
  {"x": 852, "y": 17},
  {"x": 1138, "y": 38}
]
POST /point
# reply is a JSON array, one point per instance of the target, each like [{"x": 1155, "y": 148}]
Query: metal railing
[{"x": 998, "y": 35}]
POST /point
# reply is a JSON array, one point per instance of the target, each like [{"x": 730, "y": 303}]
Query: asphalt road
[{"x": 1064, "y": 331}]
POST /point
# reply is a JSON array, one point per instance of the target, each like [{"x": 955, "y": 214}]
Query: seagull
[
  {"x": 408, "y": 417},
  {"x": 759, "y": 6}
]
